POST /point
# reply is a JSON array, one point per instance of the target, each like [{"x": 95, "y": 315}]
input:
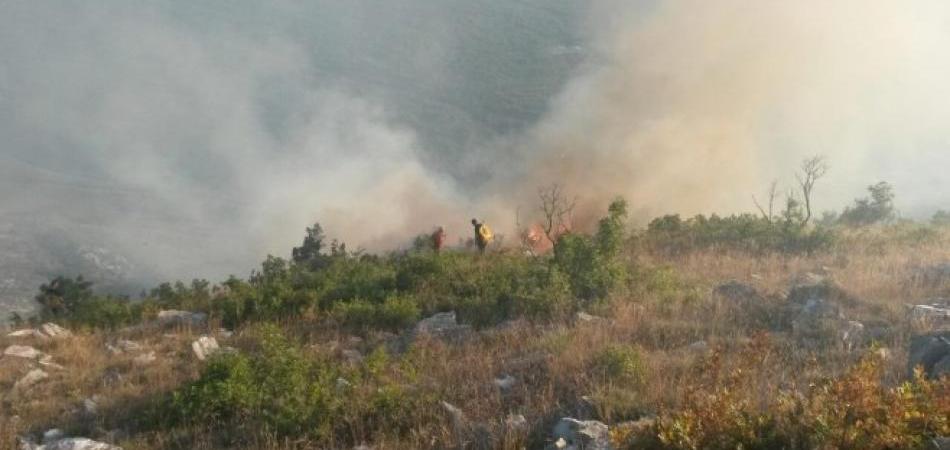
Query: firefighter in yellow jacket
[{"x": 483, "y": 235}]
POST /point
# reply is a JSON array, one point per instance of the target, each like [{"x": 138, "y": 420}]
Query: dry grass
[{"x": 552, "y": 362}]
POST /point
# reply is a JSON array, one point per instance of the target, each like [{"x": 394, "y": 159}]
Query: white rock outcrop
[
  {"x": 74, "y": 443},
  {"x": 27, "y": 333},
  {"x": 176, "y": 317},
  {"x": 30, "y": 379},
  {"x": 204, "y": 347},
  {"x": 55, "y": 331},
  {"x": 144, "y": 359},
  {"x": 23, "y": 351},
  {"x": 581, "y": 434}
]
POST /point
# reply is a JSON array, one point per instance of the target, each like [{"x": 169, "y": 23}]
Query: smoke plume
[
  {"x": 196, "y": 138},
  {"x": 693, "y": 106}
]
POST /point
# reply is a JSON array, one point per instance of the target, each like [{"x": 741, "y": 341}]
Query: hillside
[
  {"x": 160, "y": 182},
  {"x": 618, "y": 339}
]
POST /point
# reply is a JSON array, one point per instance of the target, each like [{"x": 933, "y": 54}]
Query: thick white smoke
[
  {"x": 692, "y": 106},
  {"x": 194, "y": 139}
]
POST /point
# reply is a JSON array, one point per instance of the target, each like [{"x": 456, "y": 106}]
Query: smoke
[
  {"x": 196, "y": 150},
  {"x": 693, "y": 106},
  {"x": 196, "y": 138}
]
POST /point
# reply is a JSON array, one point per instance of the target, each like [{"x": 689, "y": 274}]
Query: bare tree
[
  {"x": 557, "y": 211},
  {"x": 812, "y": 169},
  {"x": 772, "y": 195}
]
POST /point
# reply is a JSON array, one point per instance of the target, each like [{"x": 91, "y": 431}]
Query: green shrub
[
  {"x": 941, "y": 218},
  {"x": 106, "y": 312},
  {"x": 276, "y": 389},
  {"x": 663, "y": 283},
  {"x": 279, "y": 391},
  {"x": 387, "y": 291},
  {"x": 592, "y": 263},
  {"x": 349, "y": 278},
  {"x": 878, "y": 207},
  {"x": 62, "y": 296},
  {"x": 744, "y": 232},
  {"x": 620, "y": 364},
  {"x": 394, "y": 313}
]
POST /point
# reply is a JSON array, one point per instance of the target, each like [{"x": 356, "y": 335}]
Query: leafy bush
[
  {"x": 72, "y": 302},
  {"x": 663, "y": 283},
  {"x": 393, "y": 314},
  {"x": 62, "y": 296},
  {"x": 744, "y": 232},
  {"x": 592, "y": 263},
  {"x": 941, "y": 218},
  {"x": 386, "y": 291},
  {"x": 879, "y": 207},
  {"x": 620, "y": 364},
  {"x": 107, "y": 312},
  {"x": 276, "y": 389},
  {"x": 281, "y": 391}
]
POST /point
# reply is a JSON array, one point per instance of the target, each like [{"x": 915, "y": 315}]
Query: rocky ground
[{"x": 519, "y": 384}]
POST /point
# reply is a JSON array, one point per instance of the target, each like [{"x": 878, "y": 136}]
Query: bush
[
  {"x": 745, "y": 232},
  {"x": 664, "y": 284},
  {"x": 941, "y": 218},
  {"x": 279, "y": 391},
  {"x": 63, "y": 296},
  {"x": 276, "y": 390},
  {"x": 879, "y": 207},
  {"x": 106, "y": 312},
  {"x": 393, "y": 314},
  {"x": 72, "y": 302},
  {"x": 387, "y": 291},
  {"x": 592, "y": 263},
  {"x": 620, "y": 364}
]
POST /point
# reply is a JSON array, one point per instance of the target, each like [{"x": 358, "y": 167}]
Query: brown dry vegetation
[{"x": 669, "y": 306}]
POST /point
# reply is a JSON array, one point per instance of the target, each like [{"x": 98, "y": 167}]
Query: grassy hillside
[{"x": 670, "y": 337}]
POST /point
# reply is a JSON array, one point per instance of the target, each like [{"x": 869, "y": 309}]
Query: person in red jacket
[{"x": 438, "y": 239}]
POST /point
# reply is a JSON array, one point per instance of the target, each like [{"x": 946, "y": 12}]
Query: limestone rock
[
  {"x": 53, "y": 435},
  {"x": 470, "y": 435},
  {"x": 47, "y": 361},
  {"x": 30, "y": 379},
  {"x": 583, "y": 317},
  {"x": 440, "y": 326},
  {"x": 27, "y": 333},
  {"x": 144, "y": 359},
  {"x": 176, "y": 317},
  {"x": 935, "y": 315},
  {"x": 78, "y": 444},
  {"x": 932, "y": 352},
  {"x": 698, "y": 347},
  {"x": 23, "y": 351},
  {"x": 128, "y": 346},
  {"x": 582, "y": 434},
  {"x": 852, "y": 335},
  {"x": 516, "y": 423},
  {"x": 204, "y": 347},
  {"x": 505, "y": 383},
  {"x": 90, "y": 406},
  {"x": 55, "y": 331}
]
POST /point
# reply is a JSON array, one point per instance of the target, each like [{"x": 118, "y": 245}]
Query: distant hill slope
[{"x": 458, "y": 74}]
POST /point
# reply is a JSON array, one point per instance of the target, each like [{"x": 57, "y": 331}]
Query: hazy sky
[{"x": 195, "y": 137}]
